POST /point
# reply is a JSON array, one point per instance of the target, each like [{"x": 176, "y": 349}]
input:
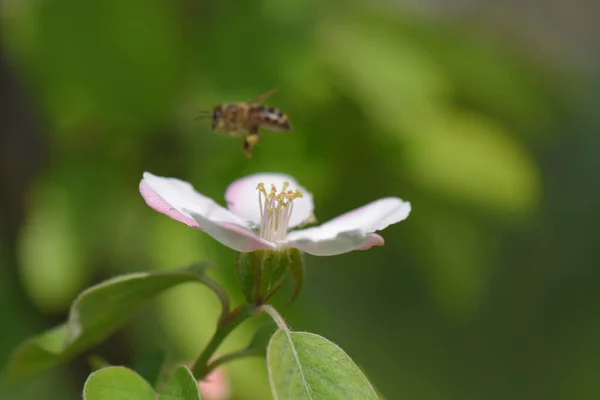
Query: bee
[{"x": 246, "y": 118}]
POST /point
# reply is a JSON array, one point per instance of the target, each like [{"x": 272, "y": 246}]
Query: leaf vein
[{"x": 297, "y": 358}]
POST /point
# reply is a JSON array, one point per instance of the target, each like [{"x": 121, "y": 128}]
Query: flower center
[{"x": 275, "y": 210}]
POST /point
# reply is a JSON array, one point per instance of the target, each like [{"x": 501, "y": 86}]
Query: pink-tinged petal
[
  {"x": 158, "y": 204},
  {"x": 178, "y": 200},
  {"x": 242, "y": 197},
  {"x": 172, "y": 197},
  {"x": 373, "y": 239},
  {"x": 369, "y": 218},
  {"x": 234, "y": 236},
  {"x": 350, "y": 231},
  {"x": 215, "y": 386},
  {"x": 344, "y": 242}
]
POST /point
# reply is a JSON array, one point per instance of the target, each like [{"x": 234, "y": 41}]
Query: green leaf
[
  {"x": 120, "y": 383},
  {"x": 117, "y": 383},
  {"x": 95, "y": 314},
  {"x": 303, "y": 365},
  {"x": 181, "y": 386}
]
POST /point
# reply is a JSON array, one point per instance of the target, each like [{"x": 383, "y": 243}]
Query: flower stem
[
  {"x": 214, "y": 286},
  {"x": 275, "y": 315},
  {"x": 226, "y": 325}
]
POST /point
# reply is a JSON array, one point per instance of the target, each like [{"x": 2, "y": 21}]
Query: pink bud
[{"x": 215, "y": 386}]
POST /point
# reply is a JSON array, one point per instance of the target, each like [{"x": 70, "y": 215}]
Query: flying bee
[{"x": 246, "y": 118}]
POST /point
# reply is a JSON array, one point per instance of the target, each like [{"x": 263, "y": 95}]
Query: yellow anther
[{"x": 261, "y": 188}]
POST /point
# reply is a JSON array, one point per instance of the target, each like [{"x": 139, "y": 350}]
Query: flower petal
[
  {"x": 351, "y": 231},
  {"x": 343, "y": 242},
  {"x": 242, "y": 197},
  {"x": 157, "y": 203},
  {"x": 373, "y": 239},
  {"x": 234, "y": 236},
  {"x": 178, "y": 200}
]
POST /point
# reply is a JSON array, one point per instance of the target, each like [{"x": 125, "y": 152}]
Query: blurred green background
[{"x": 482, "y": 114}]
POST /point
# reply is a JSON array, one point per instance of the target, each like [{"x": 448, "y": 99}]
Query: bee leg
[{"x": 249, "y": 143}]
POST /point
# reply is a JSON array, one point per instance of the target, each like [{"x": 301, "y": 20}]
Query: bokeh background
[{"x": 483, "y": 114}]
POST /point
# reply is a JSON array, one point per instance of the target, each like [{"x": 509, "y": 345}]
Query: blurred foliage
[
  {"x": 96, "y": 313},
  {"x": 488, "y": 290}
]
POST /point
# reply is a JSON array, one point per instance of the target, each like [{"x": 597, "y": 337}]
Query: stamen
[{"x": 275, "y": 210}]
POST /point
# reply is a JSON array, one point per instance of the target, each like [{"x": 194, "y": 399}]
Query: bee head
[{"x": 217, "y": 118}]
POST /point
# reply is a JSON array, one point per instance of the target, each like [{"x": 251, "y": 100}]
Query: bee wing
[{"x": 263, "y": 97}]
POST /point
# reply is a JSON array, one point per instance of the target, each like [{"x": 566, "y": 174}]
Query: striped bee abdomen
[{"x": 271, "y": 119}]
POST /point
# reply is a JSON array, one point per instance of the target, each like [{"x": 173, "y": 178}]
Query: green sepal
[
  {"x": 296, "y": 266},
  {"x": 261, "y": 273},
  {"x": 249, "y": 270},
  {"x": 275, "y": 265}
]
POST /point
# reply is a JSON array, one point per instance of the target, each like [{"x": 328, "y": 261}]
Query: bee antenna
[{"x": 203, "y": 114}]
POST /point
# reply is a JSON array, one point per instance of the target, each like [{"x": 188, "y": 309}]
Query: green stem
[
  {"x": 275, "y": 315},
  {"x": 224, "y": 328},
  {"x": 214, "y": 286},
  {"x": 232, "y": 356}
]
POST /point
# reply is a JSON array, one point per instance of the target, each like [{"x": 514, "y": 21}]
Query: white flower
[{"x": 263, "y": 208}]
